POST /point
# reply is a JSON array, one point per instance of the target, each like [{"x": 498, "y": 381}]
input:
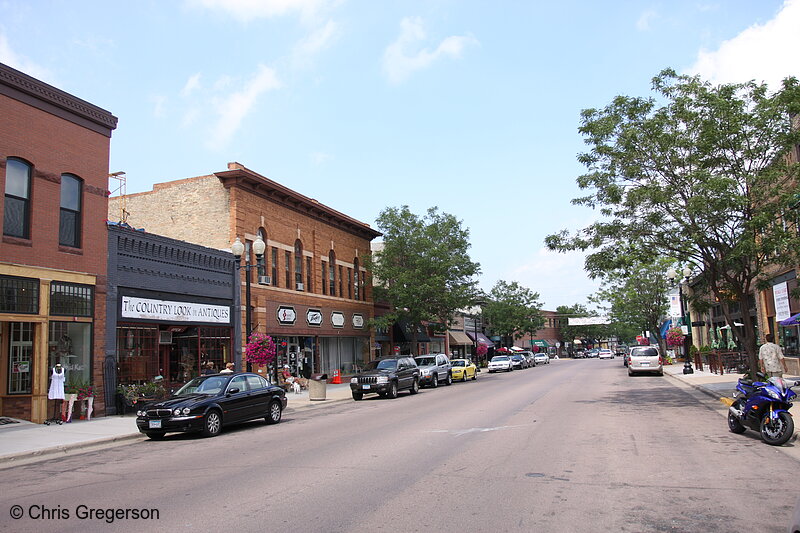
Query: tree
[
  {"x": 423, "y": 270},
  {"x": 701, "y": 176},
  {"x": 513, "y": 310},
  {"x": 571, "y": 333}
]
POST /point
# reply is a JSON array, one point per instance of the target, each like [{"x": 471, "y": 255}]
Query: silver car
[{"x": 645, "y": 359}]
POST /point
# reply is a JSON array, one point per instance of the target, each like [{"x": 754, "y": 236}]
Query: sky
[{"x": 469, "y": 106}]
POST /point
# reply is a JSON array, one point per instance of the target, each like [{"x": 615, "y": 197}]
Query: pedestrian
[
  {"x": 771, "y": 358},
  {"x": 209, "y": 369},
  {"x": 228, "y": 369}
]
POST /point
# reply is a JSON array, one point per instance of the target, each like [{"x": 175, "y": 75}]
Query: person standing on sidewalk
[{"x": 770, "y": 355}]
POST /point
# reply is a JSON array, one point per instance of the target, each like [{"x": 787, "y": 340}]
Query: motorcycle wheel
[
  {"x": 733, "y": 422},
  {"x": 778, "y": 431}
]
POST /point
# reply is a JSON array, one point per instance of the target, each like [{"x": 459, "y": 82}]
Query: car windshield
[
  {"x": 498, "y": 358},
  {"x": 644, "y": 352},
  {"x": 383, "y": 364},
  {"x": 209, "y": 385},
  {"x": 425, "y": 361},
  {"x": 459, "y": 362}
]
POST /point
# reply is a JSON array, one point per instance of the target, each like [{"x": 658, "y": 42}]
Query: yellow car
[{"x": 464, "y": 369}]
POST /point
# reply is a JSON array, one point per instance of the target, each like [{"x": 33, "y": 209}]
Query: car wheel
[
  {"x": 510, "y": 368},
  {"x": 392, "y": 390},
  {"x": 274, "y": 413},
  {"x": 155, "y": 435},
  {"x": 475, "y": 376},
  {"x": 630, "y": 374},
  {"x": 464, "y": 376},
  {"x": 434, "y": 381},
  {"x": 357, "y": 396},
  {"x": 449, "y": 380},
  {"x": 414, "y": 387},
  {"x": 213, "y": 424}
]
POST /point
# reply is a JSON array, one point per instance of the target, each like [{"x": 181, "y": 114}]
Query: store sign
[
  {"x": 286, "y": 315},
  {"x": 358, "y": 320},
  {"x": 337, "y": 319},
  {"x": 314, "y": 317},
  {"x": 780, "y": 293},
  {"x": 167, "y": 311}
]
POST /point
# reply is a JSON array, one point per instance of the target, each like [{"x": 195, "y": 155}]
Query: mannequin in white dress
[{"x": 56, "y": 391}]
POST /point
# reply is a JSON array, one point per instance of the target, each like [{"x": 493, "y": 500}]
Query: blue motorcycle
[{"x": 763, "y": 406}]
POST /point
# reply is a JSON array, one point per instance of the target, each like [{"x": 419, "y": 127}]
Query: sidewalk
[
  {"x": 715, "y": 385},
  {"x": 23, "y": 442}
]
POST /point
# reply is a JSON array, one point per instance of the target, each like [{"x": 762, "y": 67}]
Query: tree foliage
[
  {"x": 513, "y": 310},
  {"x": 700, "y": 175},
  {"x": 423, "y": 270},
  {"x": 571, "y": 333}
]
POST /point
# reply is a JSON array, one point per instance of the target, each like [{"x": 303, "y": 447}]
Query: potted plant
[{"x": 260, "y": 349}]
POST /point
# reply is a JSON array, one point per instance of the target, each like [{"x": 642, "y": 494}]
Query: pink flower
[{"x": 260, "y": 350}]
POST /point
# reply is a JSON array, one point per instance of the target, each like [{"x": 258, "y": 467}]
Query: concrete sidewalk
[
  {"x": 715, "y": 385},
  {"x": 24, "y": 442}
]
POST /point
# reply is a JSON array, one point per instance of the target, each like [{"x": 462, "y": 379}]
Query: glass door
[{"x": 20, "y": 358}]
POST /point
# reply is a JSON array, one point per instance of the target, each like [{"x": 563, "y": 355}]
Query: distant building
[{"x": 54, "y": 153}]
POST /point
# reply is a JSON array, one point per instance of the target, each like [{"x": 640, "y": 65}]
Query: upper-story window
[
  {"x": 324, "y": 278},
  {"x": 309, "y": 287},
  {"x": 298, "y": 265},
  {"x": 274, "y": 266},
  {"x": 262, "y": 265},
  {"x": 332, "y": 273},
  {"x": 17, "y": 207},
  {"x": 69, "y": 230},
  {"x": 288, "y": 269},
  {"x": 357, "y": 285}
]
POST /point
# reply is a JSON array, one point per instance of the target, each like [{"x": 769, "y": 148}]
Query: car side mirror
[{"x": 233, "y": 390}]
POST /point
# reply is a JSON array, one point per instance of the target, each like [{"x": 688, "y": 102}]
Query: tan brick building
[
  {"x": 54, "y": 153},
  {"x": 312, "y": 293}
]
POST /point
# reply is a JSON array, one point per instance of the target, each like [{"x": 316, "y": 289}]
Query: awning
[
  {"x": 517, "y": 349},
  {"x": 459, "y": 338},
  {"x": 481, "y": 338},
  {"x": 791, "y": 321},
  {"x": 403, "y": 333},
  {"x": 541, "y": 343}
]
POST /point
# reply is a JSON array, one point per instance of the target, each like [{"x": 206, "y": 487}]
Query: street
[{"x": 570, "y": 446}]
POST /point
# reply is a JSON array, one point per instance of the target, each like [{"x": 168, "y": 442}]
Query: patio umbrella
[
  {"x": 715, "y": 338},
  {"x": 731, "y": 340}
]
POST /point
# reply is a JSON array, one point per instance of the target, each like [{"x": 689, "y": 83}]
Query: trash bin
[{"x": 317, "y": 387}]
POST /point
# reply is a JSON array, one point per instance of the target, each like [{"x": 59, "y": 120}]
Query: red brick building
[
  {"x": 54, "y": 153},
  {"x": 312, "y": 292}
]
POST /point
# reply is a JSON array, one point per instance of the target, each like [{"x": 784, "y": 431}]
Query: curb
[
  {"x": 21, "y": 458},
  {"x": 704, "y": 390}
]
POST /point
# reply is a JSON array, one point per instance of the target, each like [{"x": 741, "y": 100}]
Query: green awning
[{"x": 541, "y": 343}]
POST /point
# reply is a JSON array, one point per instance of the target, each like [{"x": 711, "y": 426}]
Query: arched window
[
  {"x": 357, "y": 284},
  {"x": 332, "y": 273},
  {"x": 298, "y": 265},
  {"x": 69, "y": 229},
  {"x": 17, "y": 206}
]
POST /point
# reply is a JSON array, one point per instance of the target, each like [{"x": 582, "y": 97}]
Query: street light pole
[
  {"x": 673, "y": 275},
  {"x": 238, "y": 249}
]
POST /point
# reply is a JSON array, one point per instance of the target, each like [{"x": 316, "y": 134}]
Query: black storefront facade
[{"x": 170, "y": 310}]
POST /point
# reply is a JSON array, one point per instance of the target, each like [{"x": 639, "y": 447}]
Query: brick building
[
  {"x": 54, "y": 153},
  {"x": 311, "y": 293},
  {"x": 548, "y": 338}
]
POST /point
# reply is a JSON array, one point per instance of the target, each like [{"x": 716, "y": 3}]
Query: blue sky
[{"x": 471, "y": 106}]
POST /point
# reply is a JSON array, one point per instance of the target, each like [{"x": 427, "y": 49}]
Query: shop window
[
  {"x": 17, "y": 206},
  {"x": 69, "y": 229},
  {"x": 137, "y": 354},
  {"x": 19, "y": 295},
  {"x": 70, "y": 343},
  {"x": 20, "y": 357},
  {"x": 71, "y": 299}
]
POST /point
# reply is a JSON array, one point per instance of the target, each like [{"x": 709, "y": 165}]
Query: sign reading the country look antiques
[{"x": 145, "y": 308}]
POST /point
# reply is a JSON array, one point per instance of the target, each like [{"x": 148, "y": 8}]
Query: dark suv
[{"x": 386, "y": 377}]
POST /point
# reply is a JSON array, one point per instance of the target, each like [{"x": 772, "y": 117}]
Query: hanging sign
[
  {"x": 286, "y": 315},
  {"x": 145, "y": 308},
  {"x": 358, "y": 320},
  {"x": 337, "y": 319},
  {"x": 314, "y": 317},
  {"x": 780, "y": 293}
]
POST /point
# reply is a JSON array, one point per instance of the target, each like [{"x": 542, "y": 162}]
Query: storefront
[{"x": 170, "y": 310}]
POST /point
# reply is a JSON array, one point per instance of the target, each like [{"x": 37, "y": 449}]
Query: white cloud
[
  {"x": 247, "y": 10},
  {"x": 763, "y": 52},
  {"x": 22, "y": 63},
  {"x": 232, "y": 109},
  {"x": 318, "y": 158},
  {"x": 646, "y": 19},
  {"x": 559, "y": 278},
  {"x": 192, "y": 84},
  {"x": 317, "y": 41},
  {"x": 403, "y": 57}
]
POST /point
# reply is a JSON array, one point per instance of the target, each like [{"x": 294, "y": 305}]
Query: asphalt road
[{"x": 570, "y": 446}]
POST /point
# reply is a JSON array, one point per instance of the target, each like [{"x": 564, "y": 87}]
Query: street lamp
[
  {"x": 238, "y": 249},
  {"x": 672, "y": 275}
]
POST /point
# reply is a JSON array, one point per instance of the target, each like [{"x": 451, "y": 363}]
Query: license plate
[
  {"x": 645, "y": 363},
  {"x": 155, "y": 424},
  {"x": 365, "y": 387}
]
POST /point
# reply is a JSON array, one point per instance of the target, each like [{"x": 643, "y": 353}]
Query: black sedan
[{"x": 207, "y": 403}]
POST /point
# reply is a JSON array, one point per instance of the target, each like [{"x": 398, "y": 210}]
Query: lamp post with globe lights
[
  {"x": 238, "y": 249},
  {"x": 672, "y": 275}
]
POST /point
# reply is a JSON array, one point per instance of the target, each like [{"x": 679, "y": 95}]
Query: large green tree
[
  {"x": 573, "y": 332},
  {"x": 513, "y": 310},
  {"x": 699, "y": 174},
  {"x": 423, "y": 271}
]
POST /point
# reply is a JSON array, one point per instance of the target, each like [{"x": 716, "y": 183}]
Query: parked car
[
  {"x": 207, "y": 403},
  {"x": 605, "y": 354},
  {"x": 464, "y": 369},
  {"x": 529, "y": 358},
  {"x": 645, "y": 359},
  {"x": 541, "y": 358},
  {"x": 500, "y": 362},
  {"x": 518, "y": 361},
  {"x": 386, "y": 377},
  {"x": 579, "y": 354},
  {"x": 594, "y": 353},
  {"x": 434, "y": 368}
]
